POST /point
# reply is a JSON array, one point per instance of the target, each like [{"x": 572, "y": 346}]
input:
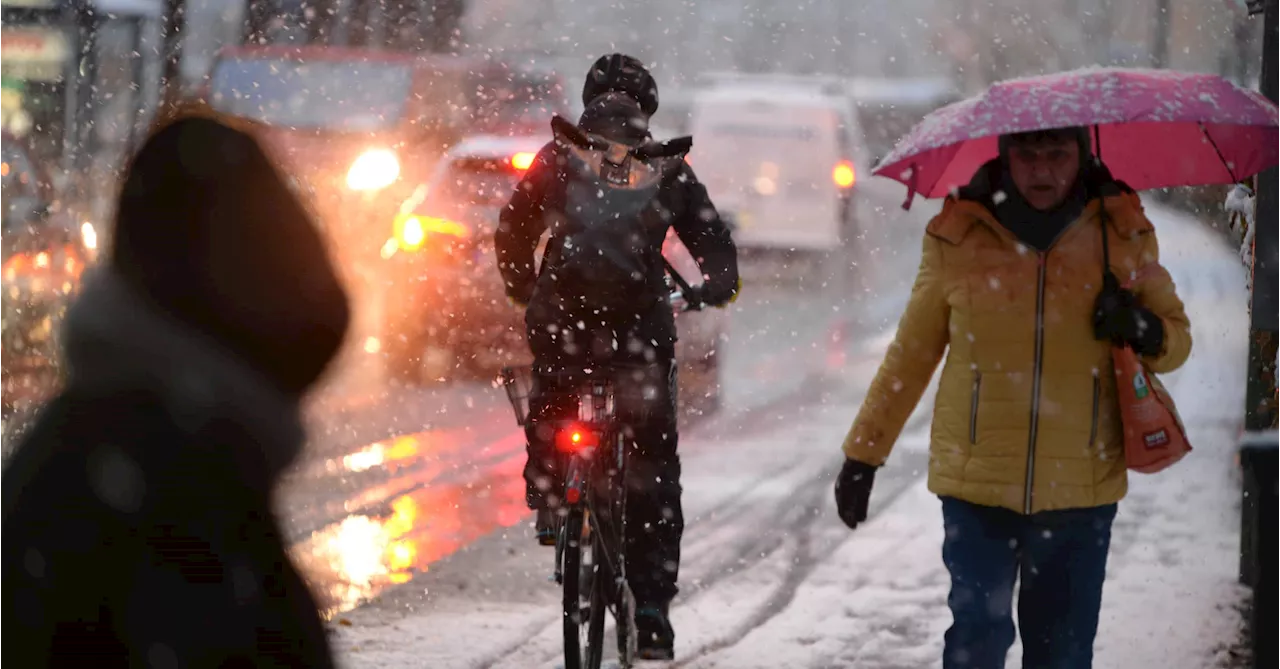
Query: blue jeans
[{"x": 1061, "y": 557}]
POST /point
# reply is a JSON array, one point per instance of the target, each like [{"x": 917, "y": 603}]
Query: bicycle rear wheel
[{"x": 584, "y": 596}]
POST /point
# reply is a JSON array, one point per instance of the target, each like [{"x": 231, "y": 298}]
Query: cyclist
[{"x": 619, "y": 97}]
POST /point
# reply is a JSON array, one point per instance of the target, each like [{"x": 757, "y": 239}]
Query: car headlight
[
  {"x": 89, "y": 235},
  {"x": 373, "y": 169},
  {"x": 89, "y": 238},
  {"x": 412, "y": 233}
]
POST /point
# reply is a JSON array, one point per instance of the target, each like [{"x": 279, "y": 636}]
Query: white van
[{"x": 780, "y": 162}]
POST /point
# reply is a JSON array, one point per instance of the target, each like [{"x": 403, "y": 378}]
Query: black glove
[
  {"x": 698, "y": 298},
  {"x": 853, "y": 491},
  {"x": 695, "y": 297},
  {"x": 1120, "y": 319}
]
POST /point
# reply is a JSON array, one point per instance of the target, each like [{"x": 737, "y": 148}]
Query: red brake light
[
  {"x": 522, "y": 161},
  {"x": 843, "y": 174},
  {"x": 573, "y": 438}
]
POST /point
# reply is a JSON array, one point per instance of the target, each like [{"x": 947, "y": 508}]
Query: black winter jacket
[
  {"x": 695, "y": 219},
  {"x": 138, "y": 528}
]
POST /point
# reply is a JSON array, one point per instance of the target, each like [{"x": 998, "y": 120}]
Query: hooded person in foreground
[
  {"x": 1026, "y": 447},
  {"x": 138, "y": 528}
]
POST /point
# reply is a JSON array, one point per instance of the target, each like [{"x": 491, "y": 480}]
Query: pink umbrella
[{"x": 1153, "y": 128}]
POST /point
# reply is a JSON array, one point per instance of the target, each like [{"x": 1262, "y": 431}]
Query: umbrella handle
[{"x": 1108, "y": 277}]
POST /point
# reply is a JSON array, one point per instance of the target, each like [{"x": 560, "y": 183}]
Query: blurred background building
[{"x": 978, "y": 41}]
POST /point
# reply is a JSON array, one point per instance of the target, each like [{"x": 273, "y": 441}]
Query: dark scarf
[{"x": 993, "y": 188}]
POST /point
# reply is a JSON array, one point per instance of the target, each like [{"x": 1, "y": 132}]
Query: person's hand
[
  {"x": 695, "y": 299},
  {"x": 853, "y": 491},
  {"x": 692, "y": 299},
  {"x": 1119, "y": 318}
]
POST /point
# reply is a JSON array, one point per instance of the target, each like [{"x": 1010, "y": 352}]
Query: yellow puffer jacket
[{"x": 1026, "y": 415}]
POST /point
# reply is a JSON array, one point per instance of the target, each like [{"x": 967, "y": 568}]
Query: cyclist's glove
[{"x": 695, "y": 298}]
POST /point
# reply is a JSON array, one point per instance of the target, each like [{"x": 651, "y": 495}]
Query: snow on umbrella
[{"x": 1154, "y": 128}]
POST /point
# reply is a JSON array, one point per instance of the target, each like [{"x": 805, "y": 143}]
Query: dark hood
[{"x": 209, "y": 234}]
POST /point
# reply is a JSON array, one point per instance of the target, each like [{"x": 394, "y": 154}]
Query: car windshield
[
  {"x": 478, "y": 183},
  {"x": 328, "y": 94}
]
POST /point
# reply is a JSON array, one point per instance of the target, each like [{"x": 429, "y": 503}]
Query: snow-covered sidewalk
[{"x": 1171, "y": 594}]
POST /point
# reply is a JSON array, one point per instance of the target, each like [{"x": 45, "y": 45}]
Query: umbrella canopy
[{"x": 1153, "y": 128}]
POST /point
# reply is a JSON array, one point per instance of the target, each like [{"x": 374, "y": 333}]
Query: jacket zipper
[
  {"x": 1097, "y": 397},
  {"x": 1041, "y": 269},
  {"x": 973, "y": 408}
]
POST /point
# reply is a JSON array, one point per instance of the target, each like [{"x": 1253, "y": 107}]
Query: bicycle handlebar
[{"x": 679, "y": 287}]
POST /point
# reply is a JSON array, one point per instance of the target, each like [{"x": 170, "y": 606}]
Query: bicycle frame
[
  {"x": 592, "y": 451},
  {"x": 595, "y": 466}
]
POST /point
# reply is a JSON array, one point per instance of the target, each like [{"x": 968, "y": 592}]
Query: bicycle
[{"x": 590, "y": 527}]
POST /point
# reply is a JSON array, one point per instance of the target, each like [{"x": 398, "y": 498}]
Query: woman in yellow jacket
[{"x": 1026, "y": 449}]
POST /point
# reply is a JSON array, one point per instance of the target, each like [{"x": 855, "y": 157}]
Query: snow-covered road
[{"x": 770, "y": 578}]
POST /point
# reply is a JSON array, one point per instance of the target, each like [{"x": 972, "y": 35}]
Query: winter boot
[
  {"x": 544, "y": 527},
  {"x": 655, "y": 640}
]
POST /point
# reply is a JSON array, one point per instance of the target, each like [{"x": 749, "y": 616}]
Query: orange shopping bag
[{"x": 1154, "y": 437}]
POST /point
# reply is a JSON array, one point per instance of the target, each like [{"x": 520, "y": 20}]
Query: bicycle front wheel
[{"x": 584, "y": 596}]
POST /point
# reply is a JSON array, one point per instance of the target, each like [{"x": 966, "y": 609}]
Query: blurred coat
[{"x": 138, "y": 525}]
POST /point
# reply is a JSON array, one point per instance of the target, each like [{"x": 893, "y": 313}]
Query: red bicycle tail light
[{"x": 575, "y": 437}]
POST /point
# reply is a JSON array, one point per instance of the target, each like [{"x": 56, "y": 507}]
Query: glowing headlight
[
  {"x": 412, "y": 234},
  {"x": 89, "y": 236},
  {"x": 374, "y": 169}
]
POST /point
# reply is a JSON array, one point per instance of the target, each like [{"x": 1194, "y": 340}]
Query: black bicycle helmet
[{"x": 620, "y": 73}]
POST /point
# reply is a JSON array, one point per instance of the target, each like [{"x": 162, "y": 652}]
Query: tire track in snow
[{"x": 808, "y": 554}]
